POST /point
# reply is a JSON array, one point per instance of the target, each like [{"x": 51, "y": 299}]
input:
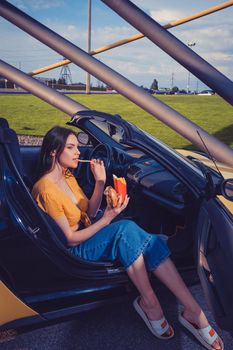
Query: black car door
[{"x": 215, "y": 260}]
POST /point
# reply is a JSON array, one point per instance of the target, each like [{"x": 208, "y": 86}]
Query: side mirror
[
  {"x": 227, "y": 189},
  {"x": 83, "y": 139}
]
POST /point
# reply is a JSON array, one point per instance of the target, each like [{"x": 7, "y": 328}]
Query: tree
[
  {"x": 154, "y": 85},
  {"x": 175, "y": 89}
]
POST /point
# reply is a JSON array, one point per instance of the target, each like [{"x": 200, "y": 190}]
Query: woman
[{"x": 58, "y": 194}]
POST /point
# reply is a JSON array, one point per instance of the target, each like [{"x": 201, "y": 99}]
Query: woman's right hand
[{"x": 110, "y": 213}]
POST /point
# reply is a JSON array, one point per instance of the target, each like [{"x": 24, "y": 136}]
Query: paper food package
[{"x": 120, "y": 186}]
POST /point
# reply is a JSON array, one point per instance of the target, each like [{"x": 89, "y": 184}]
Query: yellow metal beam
[{"x": 138, "y": 36}]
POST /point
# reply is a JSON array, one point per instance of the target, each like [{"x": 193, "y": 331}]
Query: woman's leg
[
  {"x": 149, "y": 302},
  {"x": 168, "y": 274},
  {"x": 139, "y": 276},
  {"x": 125, "y": 241}
]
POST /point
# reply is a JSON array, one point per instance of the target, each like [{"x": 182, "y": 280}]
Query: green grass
[{"x": 28, "y": 115}]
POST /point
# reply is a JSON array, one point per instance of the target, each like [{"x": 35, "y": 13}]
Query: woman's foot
[
  {"x": 154, "y": 313},
  {"x": 198, "y": 319}
]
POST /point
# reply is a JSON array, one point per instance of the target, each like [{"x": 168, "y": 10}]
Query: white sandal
[
  {"x": 158, "y": 328},
  {"x": 206, "y": 336}
]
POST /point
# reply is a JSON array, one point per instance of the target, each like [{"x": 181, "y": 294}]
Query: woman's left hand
[{"x": 98, "y": 170}]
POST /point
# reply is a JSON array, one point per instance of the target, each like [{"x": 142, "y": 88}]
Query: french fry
[
  {"x": 84, "y": 161},
  {"x": 120, "y": 186}
]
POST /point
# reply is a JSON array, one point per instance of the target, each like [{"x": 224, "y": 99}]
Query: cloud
[
  {"x": 37, "y": 4},
  {"x": 70, "y": 31},
  {"x": 43, "y": 4},
  {"x": 110, "y": 34},
  {"x": 140, "y": 61},
  {"x": 165, "y": 16}
]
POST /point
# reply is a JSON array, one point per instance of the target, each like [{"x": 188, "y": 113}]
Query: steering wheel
[{"x": 103, "y": 152}]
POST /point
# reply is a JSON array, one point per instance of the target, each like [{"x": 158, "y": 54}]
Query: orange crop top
[{"x": 55, "y": 202}]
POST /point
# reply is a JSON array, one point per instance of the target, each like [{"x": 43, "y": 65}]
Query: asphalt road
[{"x": 116, "y": 327}]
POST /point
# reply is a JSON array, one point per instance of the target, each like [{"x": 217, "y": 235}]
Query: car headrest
[
  {"x": 11, "y": 140},
  {"x": 4, "y": 123}
]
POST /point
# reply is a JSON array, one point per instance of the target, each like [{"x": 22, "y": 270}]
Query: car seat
[
  {"x": 4, "y": 123},
  {"x": 43, "y": 228},
  {"x": 12, "y": 143}
]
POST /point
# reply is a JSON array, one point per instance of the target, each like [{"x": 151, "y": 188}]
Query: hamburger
[{"x": 111, "y": 196}]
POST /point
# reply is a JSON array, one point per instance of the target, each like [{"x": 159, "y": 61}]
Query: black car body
[
  {"x": 169, "y": 193},
  {"x": 183, "y": 196}
]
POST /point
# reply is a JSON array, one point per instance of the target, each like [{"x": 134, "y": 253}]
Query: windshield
[
  {"x": 116, "y": 132},
  {"x": 176, "y": 154}
]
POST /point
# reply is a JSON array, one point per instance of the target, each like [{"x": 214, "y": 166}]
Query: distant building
[
  {"x": 2, "y": 82},
  {"x": 163, "y": 91},
  {"x": 46, "y": 81}
]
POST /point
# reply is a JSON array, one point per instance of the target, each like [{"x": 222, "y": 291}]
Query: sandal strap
[
  {"x": 209, "y": 334},
  {"x": 160, "y": 326}
]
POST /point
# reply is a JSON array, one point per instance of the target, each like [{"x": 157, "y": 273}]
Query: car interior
[{"x": 41, "y": 241}]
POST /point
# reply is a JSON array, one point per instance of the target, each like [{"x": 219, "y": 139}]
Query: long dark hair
[{"x": 54, "y": 140}]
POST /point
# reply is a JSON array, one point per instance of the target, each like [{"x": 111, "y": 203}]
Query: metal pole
[
  {"x": 143, "y": 99},
  {"x": 139, "y": 36},
  {"x": 188, "y": 84},
  {"x": 88, "y": 79},
  {"x": 51, "y": 96},
  {"x": 172, "y": 80},
  {"x": 174, "y": 47}
]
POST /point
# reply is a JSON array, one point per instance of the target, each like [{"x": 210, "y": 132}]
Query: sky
[{"x": 140, "y": 61}]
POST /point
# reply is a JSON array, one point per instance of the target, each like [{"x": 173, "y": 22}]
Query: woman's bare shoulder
[{"x": 44, "y": 184}]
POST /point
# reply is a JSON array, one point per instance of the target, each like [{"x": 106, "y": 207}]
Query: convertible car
[
  {"x": 169, "y": 193},
  {"x": 185, "y": 195}
]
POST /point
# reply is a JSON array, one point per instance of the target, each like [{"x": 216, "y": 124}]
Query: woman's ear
[{"x": 53, "y": 153}]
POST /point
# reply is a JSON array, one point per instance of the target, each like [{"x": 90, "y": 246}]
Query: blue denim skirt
[{"x": 123, "y": 241}]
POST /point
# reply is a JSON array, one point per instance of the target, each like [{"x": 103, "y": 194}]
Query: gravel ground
[
  {"x": 30, "y": 140},
  {"x": 119, "y": 327}
]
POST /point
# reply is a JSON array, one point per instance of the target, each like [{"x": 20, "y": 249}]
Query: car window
[{"x": 114, "y": 131}]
